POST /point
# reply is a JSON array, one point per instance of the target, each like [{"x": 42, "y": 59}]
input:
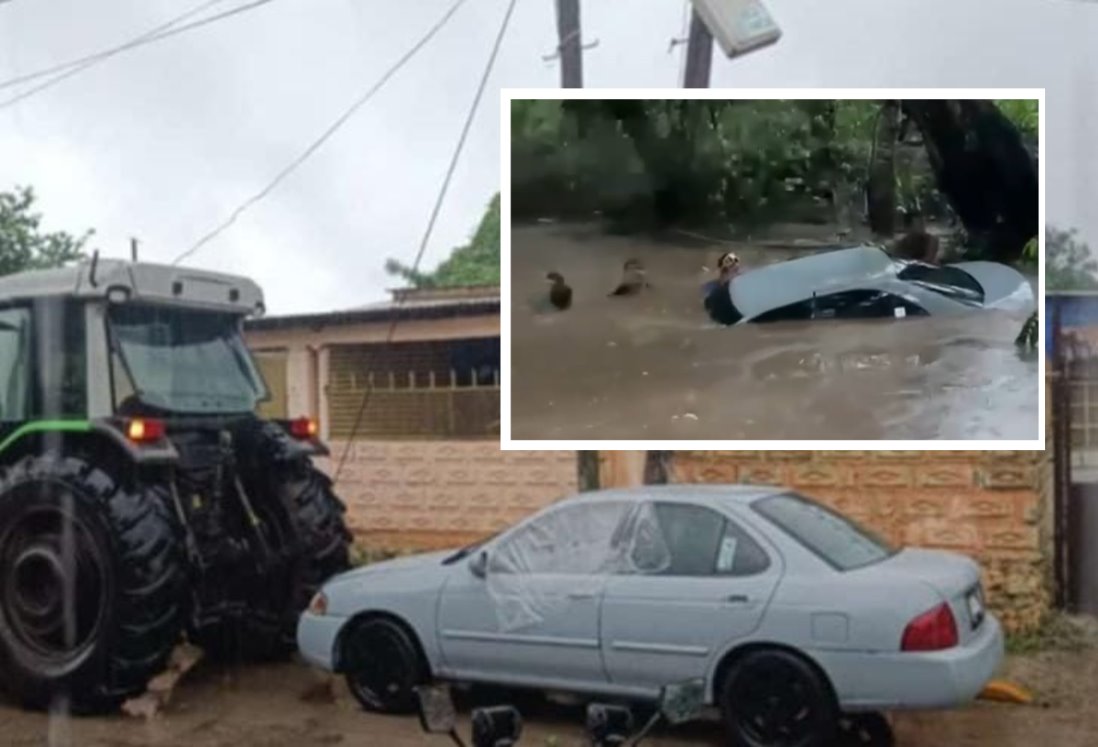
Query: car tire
[
  {"x": 865, "y": 730},
  {"x": 775, "y": 698},
  {"x": 383, "y": 665},
  {"x": 71, "y": 536}
]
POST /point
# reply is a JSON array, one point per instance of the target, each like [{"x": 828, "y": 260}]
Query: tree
[
  {"x": 1069, "y": 265},
  {"x": 476, "y": 263},
  {"x": 23, "y": 246}
]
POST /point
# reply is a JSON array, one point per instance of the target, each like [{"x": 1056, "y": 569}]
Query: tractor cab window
[
  {"x": 182, "y": 360},
  {"x": 61, "y": 362},
  {"x": 14, "y": 356}
]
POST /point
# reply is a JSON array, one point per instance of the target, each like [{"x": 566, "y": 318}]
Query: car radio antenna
[{"x": 133, "y": 249}]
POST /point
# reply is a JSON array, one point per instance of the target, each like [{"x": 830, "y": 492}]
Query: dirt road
[{"x": 282, "y": 706}]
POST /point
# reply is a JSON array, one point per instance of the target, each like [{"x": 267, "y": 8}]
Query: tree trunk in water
[
  {"x": 880, "y": 189},
  {"x": 984, "y": 170},
  {"x": 657, "y": 467},
  {"x": 587, "y": 466}
]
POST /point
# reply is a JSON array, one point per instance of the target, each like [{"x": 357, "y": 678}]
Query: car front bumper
[
  {"x": 316, "y": 638},
  {"x": 938, "y": 679}
]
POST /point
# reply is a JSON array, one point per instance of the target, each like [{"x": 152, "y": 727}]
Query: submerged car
[
  {"x": 866, "y": 282},
  {"x": 791, "y": 613}
]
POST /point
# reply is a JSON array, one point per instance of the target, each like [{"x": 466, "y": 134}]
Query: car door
[
  {"x": 533, "y": 615},
  {"x": 699, "y": 581}
]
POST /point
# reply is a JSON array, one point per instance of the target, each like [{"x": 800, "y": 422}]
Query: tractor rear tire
[
  {"x": 302, "y": 517},
  {"x": 92, "y": 585}
]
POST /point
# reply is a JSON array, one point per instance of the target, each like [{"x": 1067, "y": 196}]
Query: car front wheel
[
  {"x": 774, "y": 698},
  {"x": 383, "y": 666}
]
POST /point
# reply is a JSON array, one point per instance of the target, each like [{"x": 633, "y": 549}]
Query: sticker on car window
[{"x": 727, "y": 555}]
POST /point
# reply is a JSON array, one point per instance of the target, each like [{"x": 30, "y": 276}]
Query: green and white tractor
[{"x": 141, "y": 499}]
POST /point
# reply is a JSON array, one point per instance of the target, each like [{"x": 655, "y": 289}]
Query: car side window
[
  {"x": 577, "y": 539},
  {"x": 852, "y": 304},
  {"x": 695, "y": 541}
]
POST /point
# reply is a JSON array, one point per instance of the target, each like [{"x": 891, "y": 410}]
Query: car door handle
[{"x": 737, "y": 599}]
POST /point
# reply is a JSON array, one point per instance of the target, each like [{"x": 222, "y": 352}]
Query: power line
[
  {"x": 101, "y": 53},
  {"x": 164, "y": 31},
  {"x": 431, "y": 223},
  {"x": 331, "y": 130}
]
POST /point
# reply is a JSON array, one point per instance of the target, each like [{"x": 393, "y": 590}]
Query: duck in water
[
  {"x": 718, "y": 302},
  {"x": 632, "y": 279},
  {"x": 560, "y": 294}
]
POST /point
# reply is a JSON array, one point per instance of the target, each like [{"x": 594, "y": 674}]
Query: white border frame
[{"x": 509, "y": 94}]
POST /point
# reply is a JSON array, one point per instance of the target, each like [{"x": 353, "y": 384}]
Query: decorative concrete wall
[
  {"x": 405, "y": 495},
  {"x": 990, "y": 505}
]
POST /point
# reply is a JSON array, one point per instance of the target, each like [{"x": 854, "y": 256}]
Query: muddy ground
[
  {"x": 655, "y": 366},
  {"x": 289, "y": 705}
]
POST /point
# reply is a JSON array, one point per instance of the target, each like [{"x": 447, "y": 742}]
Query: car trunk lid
[{"x": 955, "y": 577}]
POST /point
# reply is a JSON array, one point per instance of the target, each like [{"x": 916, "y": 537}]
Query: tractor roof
[{"x": 140, "y": 281}]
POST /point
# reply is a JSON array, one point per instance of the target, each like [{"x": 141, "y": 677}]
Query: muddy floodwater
[{"x": 654, "y": 366}]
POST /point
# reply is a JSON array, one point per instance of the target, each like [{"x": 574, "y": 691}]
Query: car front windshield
[
  {"x": 183, "y": 360},
  {"x": 839, "y": 541}
]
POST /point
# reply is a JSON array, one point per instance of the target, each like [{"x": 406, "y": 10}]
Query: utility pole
[
  {"x": 570, "y": 44},
  {"x": 699, "y": 53}
]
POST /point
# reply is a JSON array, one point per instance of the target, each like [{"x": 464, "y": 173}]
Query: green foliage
[
  {"x": 1069, "y": 264},
  {"x": 476, "y": 263},
  {"x": 22, "y": 244},
  {"x": 699, "y": 162},
  {"x": 1022, "y": 112}
]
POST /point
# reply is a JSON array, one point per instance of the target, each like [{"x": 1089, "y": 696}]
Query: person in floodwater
[
  {"x": 718, "y": 302},
  {"x": 632, "y": 279},
  {"x": 560, "y": 294},
  {"x": 917, "y": 244}
]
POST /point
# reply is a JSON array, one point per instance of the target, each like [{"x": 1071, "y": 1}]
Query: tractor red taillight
[
  {"x": 144, "y": 430},
  {"x": 303, "y": 428},
  {"x": 931, "y": 631}
]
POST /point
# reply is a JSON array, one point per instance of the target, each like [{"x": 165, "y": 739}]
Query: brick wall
[
  {"x": 416, "y": 495},
  {"x": 990, "y": 505}
]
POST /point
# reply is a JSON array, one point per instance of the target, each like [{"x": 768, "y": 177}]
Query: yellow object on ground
[{"x": 1005, "y": 692}]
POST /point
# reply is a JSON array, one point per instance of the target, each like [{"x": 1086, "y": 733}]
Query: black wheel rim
[
  {"x": 775, "y": 705},
  {"x": 380, "y": 664},
  {"x": 54, "y": 578}
]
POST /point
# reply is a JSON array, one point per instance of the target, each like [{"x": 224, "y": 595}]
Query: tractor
[{"x": 142, "y": 499}]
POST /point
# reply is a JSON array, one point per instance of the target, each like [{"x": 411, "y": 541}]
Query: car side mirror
[
  {"x": 682, "y": 701},
  {"x": 478, "y": 564}
]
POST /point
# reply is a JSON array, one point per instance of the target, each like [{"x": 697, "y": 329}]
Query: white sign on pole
[{"x": 739, "y": 26}]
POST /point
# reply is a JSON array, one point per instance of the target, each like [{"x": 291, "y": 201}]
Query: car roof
[
  {"x": 776, "y": 285},
  {"x": 710, "y": 493}
]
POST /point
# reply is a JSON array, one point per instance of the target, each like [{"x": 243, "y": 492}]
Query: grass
[{"x": 1059, "y": 632}]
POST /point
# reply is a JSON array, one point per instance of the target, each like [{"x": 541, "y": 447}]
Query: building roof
[{"x": 405, "y": 304}]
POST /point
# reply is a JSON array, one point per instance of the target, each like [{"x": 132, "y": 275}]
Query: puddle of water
[{"x": 655, "y": 366}]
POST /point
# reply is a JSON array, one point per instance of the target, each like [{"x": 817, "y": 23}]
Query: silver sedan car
[{"x": 791, "y": 613}]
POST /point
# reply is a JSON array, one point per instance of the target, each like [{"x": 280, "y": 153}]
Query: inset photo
[{"x": 774, "y": 268}]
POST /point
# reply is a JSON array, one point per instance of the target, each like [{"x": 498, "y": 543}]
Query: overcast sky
[{"x": 162, "y": 142}]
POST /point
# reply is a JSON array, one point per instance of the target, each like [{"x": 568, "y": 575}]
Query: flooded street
[
  {"x": 654, "y": 366},
  {"x": 279, "y": 706}
]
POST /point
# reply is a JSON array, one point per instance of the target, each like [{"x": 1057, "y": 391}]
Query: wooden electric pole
[
  {"x": 699, "y": 54},
  {"x": 570, "y": 44}
]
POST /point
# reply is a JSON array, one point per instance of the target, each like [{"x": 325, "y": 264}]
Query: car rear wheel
[
  {"x": 774, "y": 698},
  {"x": 383, "y": 666},
  {"x": 865, "y": 730}
]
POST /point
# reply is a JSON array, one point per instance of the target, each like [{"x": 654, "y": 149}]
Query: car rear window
[
  {"x": 947, "y": 281},
  {"x": 838, "y": 540}
]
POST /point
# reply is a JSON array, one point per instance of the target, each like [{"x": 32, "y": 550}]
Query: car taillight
[
  {"x": 319, "y": 604},
  {"x": 303, "y": 428},
  {"x": 931, "y": 631},
  {"x": 144, "y": 430}
]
